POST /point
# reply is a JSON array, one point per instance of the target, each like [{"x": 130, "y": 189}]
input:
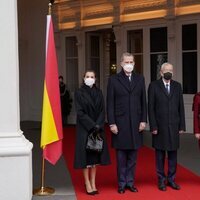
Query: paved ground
[
  {"x": 188, "y": 154},
  {"x": 58, "y": 176}
]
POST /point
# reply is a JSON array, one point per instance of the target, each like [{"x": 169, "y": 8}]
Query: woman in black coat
[{"x": 89, "y": 103}]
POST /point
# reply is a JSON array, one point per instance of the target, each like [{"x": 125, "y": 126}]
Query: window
[
  {"x": 71, "y": 55},
  {"x": 189, "y": 58},
  {"x": 95, "y": 55},
  {"x": 135, "y": 46},
  {"x": 158, "y": 50}
]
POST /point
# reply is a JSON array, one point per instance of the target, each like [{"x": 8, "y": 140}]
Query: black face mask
[{"x": 167, "y": 75}]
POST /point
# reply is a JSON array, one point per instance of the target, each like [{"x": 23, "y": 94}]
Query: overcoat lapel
[
  {"x": 122, "y": 79},
  {"x": 88, "y": 97},
  {"x": 125, "y": 82},
  {"x": 134, "y": 81},
  {"x": 162, "y": 86},
  {"x": 172, "y": 88}
]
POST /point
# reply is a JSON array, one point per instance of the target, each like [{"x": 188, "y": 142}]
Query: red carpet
[{"x": 146, "y": 181}]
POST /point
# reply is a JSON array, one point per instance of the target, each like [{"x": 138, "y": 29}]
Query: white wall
[{"x": 15, "y": 150}]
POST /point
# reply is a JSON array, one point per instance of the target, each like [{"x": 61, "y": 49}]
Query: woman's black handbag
[{"x": 94, "y": 143}]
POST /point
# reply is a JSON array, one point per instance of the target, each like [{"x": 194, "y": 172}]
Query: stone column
[
  {"x": 118, "y": 35},
  {"x": 171, "y": 25},
  {"x": 80, "y": 36},
  {"x": 15, "y": 150}
]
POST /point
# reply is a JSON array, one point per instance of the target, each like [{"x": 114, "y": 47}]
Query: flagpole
[
  {"x": 50, "y": 6},
  {"x": 44, "y": 191}
]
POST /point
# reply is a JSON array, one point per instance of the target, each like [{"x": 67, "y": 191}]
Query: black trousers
[
  {"x": 126, "y": 162},
  {"x": 160, "y": 163}
]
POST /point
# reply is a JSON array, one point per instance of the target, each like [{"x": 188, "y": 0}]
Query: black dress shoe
[
  {"x": 121, "y": 190},
  {"x": 162, "y": 186},
  {"x": 174, "y": 186},
  {"x": 132, "y": 188}
]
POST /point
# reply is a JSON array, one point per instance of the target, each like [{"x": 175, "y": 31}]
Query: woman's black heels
[
  {"x": 96, "y": 192},
  {"x": 89, "y": 193}
]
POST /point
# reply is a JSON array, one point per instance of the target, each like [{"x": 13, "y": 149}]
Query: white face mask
[
  {"x": 128, "y": 67},
  {"x": 89, "y": 81}
]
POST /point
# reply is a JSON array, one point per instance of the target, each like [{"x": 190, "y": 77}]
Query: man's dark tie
[
  {"x": 129, "y": 77},
  {"x": 167, "y": 88}
]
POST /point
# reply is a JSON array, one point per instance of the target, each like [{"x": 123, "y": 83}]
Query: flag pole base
[{"x": 43, "y": 191}]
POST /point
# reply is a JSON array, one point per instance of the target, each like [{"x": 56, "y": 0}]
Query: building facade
[{"x": 93, "y": 35}]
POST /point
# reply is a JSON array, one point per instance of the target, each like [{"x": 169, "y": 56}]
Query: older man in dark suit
[
  {"x": 126, "y": 112},
  {"x": 167, "y": 121}
]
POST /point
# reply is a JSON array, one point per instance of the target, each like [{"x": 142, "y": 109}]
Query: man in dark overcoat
[
  {"x": 126, "y": 113},
  {"x": 167, "y": 121}
]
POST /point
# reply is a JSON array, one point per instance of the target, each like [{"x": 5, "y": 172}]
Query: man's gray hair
[
  {"x": 165, "y": 64},
  {"x": 127, "y": 55}
]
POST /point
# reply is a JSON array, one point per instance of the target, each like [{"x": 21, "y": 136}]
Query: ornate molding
[
  {"x": 95, "y": 12},
  {"x": 143, "y": 5},
  {"x": 187, "y": 2},
  {"x": 117, "y": 31},
  {"x": 82, "y": 13}
]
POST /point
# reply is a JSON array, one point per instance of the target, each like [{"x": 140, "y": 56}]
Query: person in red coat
[{"x": 196, "y": 119}]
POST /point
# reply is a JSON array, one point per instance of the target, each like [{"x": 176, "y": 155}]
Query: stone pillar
[
  {"x": 118, "y": 35},
  {"x": 171, "y": 25},
  {"x": 15, "y": 150},
  {"x": 80, "y": 36}
]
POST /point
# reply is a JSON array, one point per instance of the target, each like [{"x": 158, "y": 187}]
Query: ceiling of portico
[{"x": 71, "y": 14}]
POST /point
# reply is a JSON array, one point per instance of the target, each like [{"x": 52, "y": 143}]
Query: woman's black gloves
[{"x": 95, "y": 130}]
